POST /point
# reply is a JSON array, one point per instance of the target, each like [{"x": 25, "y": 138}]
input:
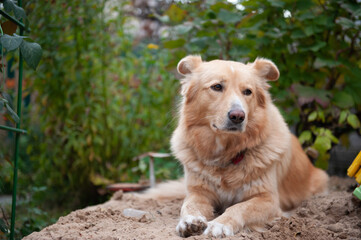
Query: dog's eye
[
  {"x": 217, "y": 87},
  {"x": 247, "y": 92}
]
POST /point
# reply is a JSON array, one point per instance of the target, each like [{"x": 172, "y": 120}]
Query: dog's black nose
[{"x": 236, "y": 116}]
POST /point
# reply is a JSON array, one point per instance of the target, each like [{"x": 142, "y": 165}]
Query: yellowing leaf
[
  {"x": 305, "y": 136},
  {"x": 342, "y": 118},
  {"x": 152, "y": 46},
  {"x": 312, "y": 117},
  {"x": 353, "y": 121}
]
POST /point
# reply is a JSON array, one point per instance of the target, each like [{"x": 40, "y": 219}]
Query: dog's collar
[{"x": 238, "y": 158}]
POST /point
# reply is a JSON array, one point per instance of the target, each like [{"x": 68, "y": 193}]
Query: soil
[{"x": 336, "y": 215}]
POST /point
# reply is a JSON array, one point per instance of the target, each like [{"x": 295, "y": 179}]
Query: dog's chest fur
[{"x": 230, "y": 183}]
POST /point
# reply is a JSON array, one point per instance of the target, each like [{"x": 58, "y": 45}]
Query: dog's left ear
[{"x": 266, "y": 69}]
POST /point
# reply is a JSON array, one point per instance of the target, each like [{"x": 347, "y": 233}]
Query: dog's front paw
[
  {"x": 217, "y": 229},
  {"x": 191, "y": 225}
]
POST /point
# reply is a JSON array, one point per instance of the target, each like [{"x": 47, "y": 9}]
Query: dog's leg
[
  {"x": 195, "y": 211},
  {"x": 257, "y": 209}
]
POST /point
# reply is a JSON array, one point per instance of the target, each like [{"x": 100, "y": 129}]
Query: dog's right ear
[{"x": 188, "y": 64}]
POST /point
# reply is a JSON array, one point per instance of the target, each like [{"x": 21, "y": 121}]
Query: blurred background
[{"x": 106, "y": 89}]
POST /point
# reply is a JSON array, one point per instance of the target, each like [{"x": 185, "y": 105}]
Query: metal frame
[
  {"x": 151, "y": 156},
  {"x": 17, "y": 129}
]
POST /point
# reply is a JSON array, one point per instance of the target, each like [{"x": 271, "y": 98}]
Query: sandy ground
[{"x": 333, "y": 216}]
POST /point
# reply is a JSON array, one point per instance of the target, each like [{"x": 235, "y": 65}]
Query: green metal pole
[
  {"x": 17, "y": 136},
  {"x": 14, "y": 20},
  {"x": 13, "y": 129}
]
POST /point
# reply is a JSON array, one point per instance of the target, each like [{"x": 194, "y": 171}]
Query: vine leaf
[
  {"x": 19, "y": 12},
  {"x": 2, "y": 104},
  {"x": 305, "y": 136},
  {"x": 10, "y": 6},
  {"x": 5, "y": 100},
  {"x": 32, "y": 53},
  {"x": 11, "y": 43},
  {"x": 5, "y": 97},
  {"x": 3, "y": 226},
  {"x": 12, "y": 113}
]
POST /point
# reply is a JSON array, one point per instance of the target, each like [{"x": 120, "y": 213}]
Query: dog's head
[{"x": 224, "y": 95}]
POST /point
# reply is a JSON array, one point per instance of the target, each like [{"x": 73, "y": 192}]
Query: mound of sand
[{"x": 333, "y": 216}]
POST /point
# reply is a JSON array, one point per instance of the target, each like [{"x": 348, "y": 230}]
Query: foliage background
[
  {"x": 315, "y": 44},
  {"x": 103, "y": 95}
]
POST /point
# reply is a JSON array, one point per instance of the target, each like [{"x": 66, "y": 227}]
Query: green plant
[
  {"x": 10, "y": 42},
  {"x": 30, "y": 52},
  {"x": 316, "y": 46},
  {"x": 101, "y": 100}
]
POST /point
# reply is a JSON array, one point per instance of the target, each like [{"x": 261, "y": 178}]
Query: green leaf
[
  {"x": 343, "y": 100},
  {"x": 352, "y": 8},
  {"x": 19, "y": 12},
  {"x": 312, "y": 117},
  {"x": 353, "y": 121},
  {"x": 315, "y": 47},
  {"x": 322, "y": 161},
  {"x": 218, "y": 5},
  {"x": 346, "y": 23},
  {"x": 211, "y": 15},
  {"x": 229, "y": 17},
  {"x": 305, "y": 136},
  {"x": 308, "y": 30},
  {"x": 183, "y": 29},
  {"x": 321, "y": 115},
  {"x": 329, "y": 134},
  {"x": 306, "y": 15},
  {"x": 322, "y": 143},
  {"x": 3, "y": 100},
  {"x": 3, "y": 226},
  {"x": 175, "y": 13},
  {"x": 8, "y": 5},
  {"x": 163, "y": 19},
  {"x": 277, "y": 3},
  {"x": 304, "y": 5},
  {"x": 297, "y": 33},
  {"x": 2, "y": 104},
  {"x": 323, "y": 21},
  {"x": 318, "y": 46},
  {"x": 324, "y": 62},
  {"x": 343, "y": 116},
  {"x": 12, "y": 113},
  {"x": 7, "y": 98},
  {"x": 32, "y": 53},
  {"x": 174, "y": 43},
  {"x": 357, "y": 13},
  {"x": 11, "y": 43}
]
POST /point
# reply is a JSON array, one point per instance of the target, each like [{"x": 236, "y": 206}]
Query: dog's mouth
[{"x": 233, "y": 128}]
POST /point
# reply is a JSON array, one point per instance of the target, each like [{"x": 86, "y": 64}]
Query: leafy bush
[
  {"x": 315, "y": 44},
  {"x": 100, "y": 101}
]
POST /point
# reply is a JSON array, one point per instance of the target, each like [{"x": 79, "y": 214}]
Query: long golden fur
[{"x": 226, "y": 110}]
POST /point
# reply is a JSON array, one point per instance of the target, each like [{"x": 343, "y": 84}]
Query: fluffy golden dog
[{"x": 242, "y": 165}]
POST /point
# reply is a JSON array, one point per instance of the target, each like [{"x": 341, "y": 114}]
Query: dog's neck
[{"x": 238, "y": 158}]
